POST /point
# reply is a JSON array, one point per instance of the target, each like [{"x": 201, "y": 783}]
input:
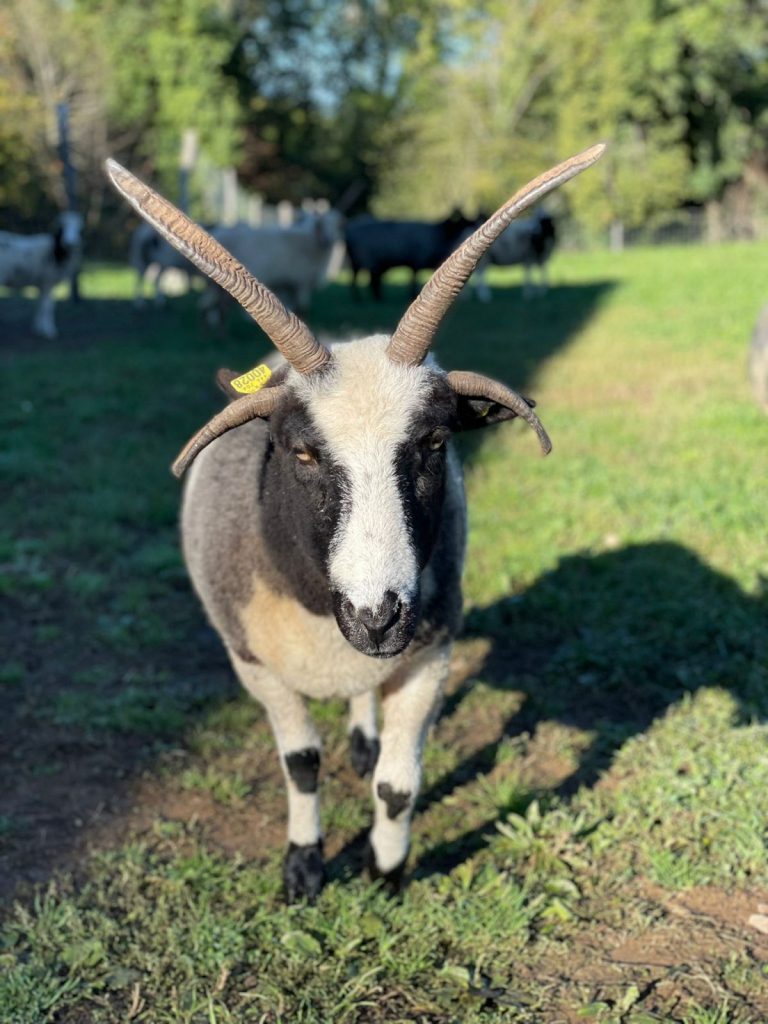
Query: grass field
[{"x": 592, "y": 838}]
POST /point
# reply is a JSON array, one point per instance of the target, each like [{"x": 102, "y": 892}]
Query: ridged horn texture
[
  {"x": 474, "y": 385},
  {"x": 413, "y": 335},
  {"x": 287, "y": 333},
  {"x": 249, "y": 407}
]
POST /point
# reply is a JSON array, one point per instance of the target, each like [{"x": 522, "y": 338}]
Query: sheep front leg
[
  {"x": 409, "y": 705},
  {"x": 299, "y": 747},
  {"x": 482, "y": 288},
  {"x": 528, "y": 288},
  {"x": 44, "y": 324}
]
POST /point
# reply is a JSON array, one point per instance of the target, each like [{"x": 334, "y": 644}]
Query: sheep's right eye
[{"x": 306, "y": 458}]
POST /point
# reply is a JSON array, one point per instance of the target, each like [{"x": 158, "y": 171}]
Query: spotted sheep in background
[{"x": 42, "y": 262}]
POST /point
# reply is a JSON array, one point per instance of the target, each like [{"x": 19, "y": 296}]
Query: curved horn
[
  {"x": 475, "y": 385},
  {"x": 249, "y": 407},
  {"x": 413, "y": 335},
  {"x": 292, "y": 337}
]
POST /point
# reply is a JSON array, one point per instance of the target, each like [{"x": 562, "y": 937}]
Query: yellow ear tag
[{"x": 252, "y": 381}]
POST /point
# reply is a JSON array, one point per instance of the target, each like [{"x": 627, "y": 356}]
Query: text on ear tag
[{"x": 253, "y": 380}]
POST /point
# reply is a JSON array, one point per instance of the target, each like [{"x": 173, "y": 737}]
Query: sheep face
[{"x": 361, "y": 448}]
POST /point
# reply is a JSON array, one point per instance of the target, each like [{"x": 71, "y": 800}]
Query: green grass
[{"x": 602, "y": 759}]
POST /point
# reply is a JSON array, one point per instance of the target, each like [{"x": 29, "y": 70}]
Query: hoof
[
  {"x": 303, "y": 872},
  {"x": 392, "y": 880},
  {"x": 364, "y": 753}
]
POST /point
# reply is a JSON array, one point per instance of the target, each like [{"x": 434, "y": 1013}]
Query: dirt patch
[
  {"x": 251, "y": 830},
  {"x": 700, "y": 951}
]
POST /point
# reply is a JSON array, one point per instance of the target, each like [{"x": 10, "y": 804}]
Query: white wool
[{"x": 364, "y": 408}]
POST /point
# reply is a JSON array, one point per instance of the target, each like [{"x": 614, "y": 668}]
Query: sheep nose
[{"x": 377, "y": 621}]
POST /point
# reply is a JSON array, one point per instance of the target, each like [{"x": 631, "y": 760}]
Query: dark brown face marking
[
  {"x": 302, "y": 505},
  {"x": 303, "y": 767},
  {"x": 396, "y": 800}
]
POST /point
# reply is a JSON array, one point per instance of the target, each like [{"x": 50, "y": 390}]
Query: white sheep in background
[
  {"x": 291, "y": 261},
  {"x": 42, "y": 262},
  {"x": 154, "y": 259},
  {"x": 323, "y": 526}
]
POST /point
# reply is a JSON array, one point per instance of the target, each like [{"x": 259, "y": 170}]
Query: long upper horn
[
  {"x": 292, "y": 337},
  {"x": 413, "y": 335}
]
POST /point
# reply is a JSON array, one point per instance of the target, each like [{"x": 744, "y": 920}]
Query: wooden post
[
  {"x": 229, "y": 196},
  {"x": 70, "y": 183},
  {"x": 285, "y": 213},
  {"x": 187, "y": 161},
  {"x": 255, "y": 211}
]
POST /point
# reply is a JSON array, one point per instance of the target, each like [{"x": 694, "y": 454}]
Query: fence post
[
  {"x": 187, "y": 161},
  {"x": 616, "y": 235},
  {"x": 70, "y": 184},
  {"x": 229, "y": 196},
  {"x": 255, "y": 213},
  {"x": 284, "y": 213}
]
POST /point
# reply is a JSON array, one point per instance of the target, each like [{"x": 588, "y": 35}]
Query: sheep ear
[
  {"x": 224, "y": 379},
  {"x": 473, "y": 413},
  {"x": 480, "y": 399}
]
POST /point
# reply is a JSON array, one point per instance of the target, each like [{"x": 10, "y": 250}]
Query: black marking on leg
[
  {"x": 303, "y": 872},
  {"x": 303, "y": 767},
  {"x": 392, "y": 880},
  {"x": 364, "y": 752},
  {"x": 396, "y": 800}
]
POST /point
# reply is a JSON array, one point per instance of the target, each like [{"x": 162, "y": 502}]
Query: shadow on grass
[
  {"x": 510, "y": 336},
  {"x": 607, "y": 643}
]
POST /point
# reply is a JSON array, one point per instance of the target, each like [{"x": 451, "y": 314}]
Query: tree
[
  {"x": 46, "y": 59},
  {"x": 317, "y": 80},
  {"x": 466, "y": 133},
  {"x": 679, "y": 90},
  {"x": 134, "y": 76},
  {"x": 166, "y": 60}
]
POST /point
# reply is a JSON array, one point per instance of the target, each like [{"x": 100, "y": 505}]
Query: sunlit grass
[{"x": 610, "y": 754}]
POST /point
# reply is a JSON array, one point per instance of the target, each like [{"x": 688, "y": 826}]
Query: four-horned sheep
[{"x": 323, "y": 525}]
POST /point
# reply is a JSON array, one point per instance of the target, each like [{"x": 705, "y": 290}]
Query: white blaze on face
[{"x": 364, "y": 409}]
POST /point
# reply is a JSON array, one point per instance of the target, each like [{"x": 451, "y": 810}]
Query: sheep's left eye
[
  {"x": 436, "y": 441},
  {"x": 305, "y": 457}
]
